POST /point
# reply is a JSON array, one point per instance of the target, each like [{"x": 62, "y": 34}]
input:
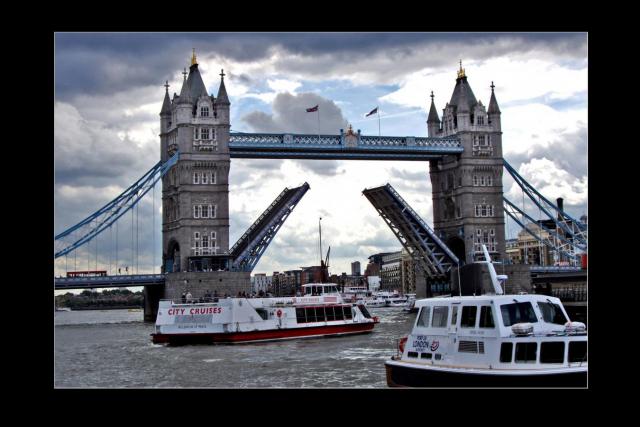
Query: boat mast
[{"x": 492, "y": 272}]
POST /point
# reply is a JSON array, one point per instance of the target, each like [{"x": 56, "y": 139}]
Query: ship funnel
[{"x": 495, "y": 279}]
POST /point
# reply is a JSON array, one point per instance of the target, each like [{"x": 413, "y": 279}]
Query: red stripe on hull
[{"x": 272, "y": 334}]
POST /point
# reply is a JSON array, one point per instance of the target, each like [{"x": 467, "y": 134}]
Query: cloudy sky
[{"x": 109, "y": 91}]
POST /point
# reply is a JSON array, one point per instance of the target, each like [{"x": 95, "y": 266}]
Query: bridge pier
[
  {"x": 152, "y": 297},
  {"x": 198, "y": 283},
  {"x": 476, "y": 280}
]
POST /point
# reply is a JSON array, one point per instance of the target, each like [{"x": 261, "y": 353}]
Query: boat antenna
[
  {"x": 320, "y": 229},
  {"x": 459, "y": 282},
  {"x": 492, "y": 272}
]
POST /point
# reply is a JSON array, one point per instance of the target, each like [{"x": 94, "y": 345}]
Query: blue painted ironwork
[
  {"x": 109, "y": 281},
  {"x": 344, "y": 146},
  {"x": 416, "y": 236},
  {"x": 103, "y": 218},
  {"x": 246, "y": 252},
  {"x": 574, "y": 228},
  {"x": 508, "y": 207}
]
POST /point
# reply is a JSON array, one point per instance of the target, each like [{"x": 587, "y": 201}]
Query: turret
[
  {"x": 165, "y": 112},
  {"x": 494, "y": 111},
  {"x": 433, "y": 121},
  {"x": 463, "y": 101},
  {"x": 222, "y": 101}
]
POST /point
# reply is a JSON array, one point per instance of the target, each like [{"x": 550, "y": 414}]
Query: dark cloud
[
  {"x": 103, "y": 63},
  {"x": 87, "y": 153}
]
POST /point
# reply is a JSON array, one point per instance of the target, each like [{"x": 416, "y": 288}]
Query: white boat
[
  {"x": 491, "y": 340},
  {"x": 410, "y": 306},
  {"x": 386, "y": 299},
  {"x": 320, "y": 312},
  {"x": 358, "y": 294},
  {"x": 63, "y": 309}
]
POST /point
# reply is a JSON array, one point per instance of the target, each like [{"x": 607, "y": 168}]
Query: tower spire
[
  {"x": 493, "y": 103},
  {"x": 193, "y": 57},
  {"x": 461, "y": 72}
]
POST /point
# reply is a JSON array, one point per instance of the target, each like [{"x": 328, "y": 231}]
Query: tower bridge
[{"x": 463, "y": 148}]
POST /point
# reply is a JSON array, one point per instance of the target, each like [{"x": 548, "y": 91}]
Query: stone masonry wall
[{"x": 198, "y": 283}]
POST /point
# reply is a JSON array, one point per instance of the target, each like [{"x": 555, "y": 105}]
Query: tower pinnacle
[
  {"x": 461, "y": 72},
  {"x": 193, "y": 57}
]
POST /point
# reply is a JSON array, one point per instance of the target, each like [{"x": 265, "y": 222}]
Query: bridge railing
[{"x": 269, "y": 140}]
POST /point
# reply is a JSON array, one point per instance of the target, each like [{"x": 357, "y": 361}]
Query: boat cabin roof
[{"x": 496, "y": 299}]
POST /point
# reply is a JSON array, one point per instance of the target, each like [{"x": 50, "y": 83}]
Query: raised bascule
[{"x": 463, "y": 148}]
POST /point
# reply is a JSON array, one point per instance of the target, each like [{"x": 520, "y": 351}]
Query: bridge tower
[
  {"x": 467, "y": 188},
  {"x": 195, "y": 192}
]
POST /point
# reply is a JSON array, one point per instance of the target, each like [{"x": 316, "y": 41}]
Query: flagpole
[
  {"x": 378, "y": 120},
  {"x": 319, "y": 133}
]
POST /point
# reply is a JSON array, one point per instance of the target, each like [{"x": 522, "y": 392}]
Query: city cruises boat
[
  {"x": 319, "y": 312},
  {"x": 491, "y": 340},
  {"x": 386, "y": 299},
  {"x": 63, "y": 309}
]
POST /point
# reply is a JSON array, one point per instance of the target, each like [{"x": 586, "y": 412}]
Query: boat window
[
  {"x": 320, "y": 314},
  {"x": 552, "y": 352},
  {"x": 454, "y": 316},
  {"x": 364, "y": 311},
  {"x": 552, "y": 313},
  {"x": 263, "y": 313},
  {"x": 486, "y": 317},
  {"x": 577, "y": 351},
  {"x": 423, "y": 317},
  {"x": 330, "y": 315},
  {"x": 468, "y": 319},
  {"x": 526, "y": 352},
  {"x": 426, "y": 355},
  {"x": 348, "y": 314},
  {"x": 311, "y": 314},
  {"x": 518, "y": 312},
  {"x": 412, "y": 354},
  {"x": 506, "y": 352},
  {"x": 339, "y": 313},
  {"x": 440, "y": 314},
  {"x": 300, "y": 317}
]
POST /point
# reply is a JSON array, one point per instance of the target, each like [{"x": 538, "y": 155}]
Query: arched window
[
  {"x": 205, "y": 178},
  {"x": 196, "y": 178}
]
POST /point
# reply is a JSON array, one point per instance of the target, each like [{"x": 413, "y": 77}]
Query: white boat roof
[{"x": 499, "y": 299}]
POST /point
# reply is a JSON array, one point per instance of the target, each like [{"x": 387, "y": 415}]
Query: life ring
[{"x": 279, "y": 313}]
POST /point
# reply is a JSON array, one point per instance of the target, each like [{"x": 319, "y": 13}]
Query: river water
[{"x": 112, "y": 348}]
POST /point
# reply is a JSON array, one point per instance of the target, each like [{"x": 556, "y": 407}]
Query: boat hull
[
  {"x": 407, "y": 376},
  {"x": 265, "y": 335}
]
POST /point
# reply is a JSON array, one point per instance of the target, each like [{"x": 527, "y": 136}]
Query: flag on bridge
[
  {"x": 375, "y": 110},
  {"x": 312, "y": 109}
]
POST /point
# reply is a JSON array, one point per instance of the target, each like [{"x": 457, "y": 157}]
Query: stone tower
[
  {"x": 195, "y": 192},
  {"x": 467, "y": 189}
]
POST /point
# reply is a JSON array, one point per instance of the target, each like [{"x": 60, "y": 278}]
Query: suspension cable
[
  {"x": 137, "y": 240},
  {"x": 116, "y": 260},
  {"x": 132, "y": 251},
  {"x": 153, "y": 234}
]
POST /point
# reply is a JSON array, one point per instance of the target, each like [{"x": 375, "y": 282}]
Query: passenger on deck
[
  {"x": 184, "y": 297},
  {"x": 189, "y": 297},
  {"x": 207, "y": 296}
]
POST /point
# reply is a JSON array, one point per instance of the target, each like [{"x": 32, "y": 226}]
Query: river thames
[{"x": 113, "y": 349}]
